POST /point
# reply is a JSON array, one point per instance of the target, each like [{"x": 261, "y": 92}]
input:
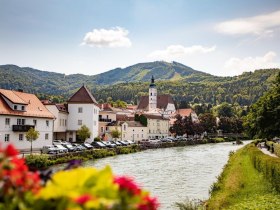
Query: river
[{"x": 173, "y": 174}]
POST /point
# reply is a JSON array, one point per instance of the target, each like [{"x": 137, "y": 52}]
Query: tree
[
  {"x": 83, "y": 133},
  {"x": 224, "y": 110},
  {"x": 262, "y": 120},
  {"x": 208, "y": 122},
  {"x": 178, "y": 126},
  {"x": 32, "y": 135},
  {"x": 115, "y": 133}
]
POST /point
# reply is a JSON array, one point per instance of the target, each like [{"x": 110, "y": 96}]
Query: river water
[{"x": 172, "y": 174}]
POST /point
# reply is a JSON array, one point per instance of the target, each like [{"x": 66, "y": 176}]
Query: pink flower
[
  {"x": 83, "y": 199},
  {"x": 126, "y": 183}
]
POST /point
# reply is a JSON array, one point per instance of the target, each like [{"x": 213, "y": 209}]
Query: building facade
[
  {"x": 83, "y": 110},
  {"x": 19, "y": 112}
]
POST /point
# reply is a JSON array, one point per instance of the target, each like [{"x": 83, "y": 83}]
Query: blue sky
[{"x": 94, "y": 36}]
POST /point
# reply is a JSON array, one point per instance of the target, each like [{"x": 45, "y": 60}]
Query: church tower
[{"x": 152, "y": 95}]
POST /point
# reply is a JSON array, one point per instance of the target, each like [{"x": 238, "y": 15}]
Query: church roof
[
  {"x": 83, "y": 95},
  {"x": 162, "y": 102}
]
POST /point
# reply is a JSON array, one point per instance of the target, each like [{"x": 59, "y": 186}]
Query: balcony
[
  {"x": 104, "y": 120},
  {"x": 22, "y": 128}
]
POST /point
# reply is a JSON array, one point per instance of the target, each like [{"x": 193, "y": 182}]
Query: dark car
[{"x": 98, "y": 144}]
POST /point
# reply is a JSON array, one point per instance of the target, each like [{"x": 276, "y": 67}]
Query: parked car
[
  {"x": 70, "y": 147},
  {"x": 79, "y": 147},
  {"x": 60, "y": 148},
  {"x": 57, "y": 141},
  {"x": 87, "y": 145},
  {"x": 49, "y": 149},
  {"x": 130, "y": 142},
  {"x": 112, "y": 144},
  {"x": 118, "y": 143},
  {"x": 98, "y": 144},
  {"x": 124, "y": 143}
]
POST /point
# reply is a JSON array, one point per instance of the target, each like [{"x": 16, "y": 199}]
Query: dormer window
[
  {"x": 22, "y": 108},
  {"x": 15, "y": 107}
]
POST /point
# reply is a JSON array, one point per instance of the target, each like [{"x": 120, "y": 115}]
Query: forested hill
[{"x": 182, "y": 82}]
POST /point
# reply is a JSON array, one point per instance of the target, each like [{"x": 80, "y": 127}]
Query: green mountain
[{"x": 128, "y": 84}]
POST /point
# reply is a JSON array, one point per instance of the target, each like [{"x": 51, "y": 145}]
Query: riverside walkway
[{"x": 265, "y": 151}]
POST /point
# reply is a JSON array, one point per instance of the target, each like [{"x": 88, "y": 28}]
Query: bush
[
  {"x": 277, "y": 149},
  {"x": 37, "y": 161}
]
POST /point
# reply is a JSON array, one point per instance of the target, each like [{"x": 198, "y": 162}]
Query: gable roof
[
  {"x": 185, "y": 112},
  {"x": 162, "y": 102},
  {"x": 83, "y": 95},
  {"x": 13, "y": 96},
  {"x": 153, "y": 116},
  {"x": 34, "y": 107}
]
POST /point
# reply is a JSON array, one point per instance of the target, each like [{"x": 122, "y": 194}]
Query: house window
[
  {"x": 102, "y": 129},
  {"x": 7, "y": 137},
  {"x": 107, "y": 116},
  {"x": 35, "y": 122},
  {"x": 106, "y": 128},
  {"x": 15, "y": 107},
  {"x": 60, "y": 122},
  {"x": 7, "y": 121},
  {"x": 22, "y": 108},
  {"x": 20, "y": 137},
  {"x": 124, "y": 127},
  {"x": 124, "y": 135},
  {"x": 80, "y": 122},
  {"x": 80, "y": 110},
  {"x": 47, "y": 123},
  {"x": 20, "y": 121},
  {"x": 46, "y": 136},
  {"x": 142, "y": 135},
  {"x": 65, "y": 122}
]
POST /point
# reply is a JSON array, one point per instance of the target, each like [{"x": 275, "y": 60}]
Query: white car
[{"x": 61, "y": 148}]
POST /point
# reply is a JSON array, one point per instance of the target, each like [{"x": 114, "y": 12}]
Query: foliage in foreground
[
  {"x": 73, "y": 188},
  {"x": 242, "y": 186}
]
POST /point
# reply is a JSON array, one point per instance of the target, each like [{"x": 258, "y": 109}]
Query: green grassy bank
[{"x": 250, "y": 180}]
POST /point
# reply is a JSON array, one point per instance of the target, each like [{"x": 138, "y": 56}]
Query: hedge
[{"x": 267, "y": 165}]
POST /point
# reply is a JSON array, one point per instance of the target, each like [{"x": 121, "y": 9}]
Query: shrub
[
  {"x": 277, "y": 149},
  {"x": 267, "y": 165}
]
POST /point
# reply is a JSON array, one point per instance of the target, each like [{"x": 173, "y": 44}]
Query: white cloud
[
  {"x": 114, "y": 37},
  {"x": 175, "y": 51},
  {"x": 236, "y": 66},
  {"x": 257, "y": 25}
]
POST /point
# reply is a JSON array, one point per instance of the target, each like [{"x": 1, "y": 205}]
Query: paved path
[{"x": 265, "y": 151}]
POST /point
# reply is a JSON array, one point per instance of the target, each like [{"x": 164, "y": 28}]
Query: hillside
[{"x": 182, "y": 82}]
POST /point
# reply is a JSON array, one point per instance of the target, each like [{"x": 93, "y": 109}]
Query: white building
[
  {"x": 157, "y": 125},
  {"x": 83, "y": 110},
  {"x": 61, "y": 118},
  {"x": 133, "y": 130},
  {"x": 19, "y": 112}
]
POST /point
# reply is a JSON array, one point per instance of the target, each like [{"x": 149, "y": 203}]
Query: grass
[{"x": 241, "y": 186}]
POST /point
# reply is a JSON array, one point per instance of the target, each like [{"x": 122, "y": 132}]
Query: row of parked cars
[{"x": 64, "y": 146}]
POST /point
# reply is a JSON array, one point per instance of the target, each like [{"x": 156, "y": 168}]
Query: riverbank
[
  {"x": 41, "y": 161},
  {"x": 250, "y": 180}
]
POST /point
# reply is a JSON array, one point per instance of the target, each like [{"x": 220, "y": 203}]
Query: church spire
[{"x": 152, "y": 82}]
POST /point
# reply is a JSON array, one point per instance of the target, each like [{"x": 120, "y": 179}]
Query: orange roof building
[{"x": 19, "y": 112}]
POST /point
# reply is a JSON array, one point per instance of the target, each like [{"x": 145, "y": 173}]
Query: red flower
[
  {"x": 149, "y": 204},
  {"x": 126, "y": 183},
  {"x": 83, "y": 199},
  {"x": 11, "y": 151}
]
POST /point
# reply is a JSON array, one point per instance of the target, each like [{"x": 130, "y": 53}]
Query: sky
[{"x": 220, "y": 37}]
